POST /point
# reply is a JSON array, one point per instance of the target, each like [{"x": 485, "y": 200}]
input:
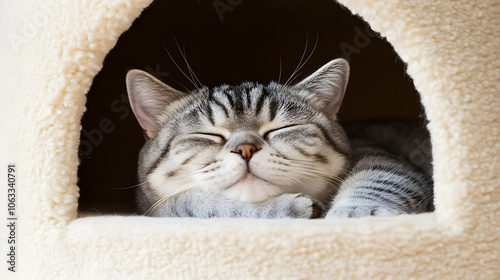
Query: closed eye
[
  {"x": 212, "y": 136},
  {"x": 266, "y": 135}
]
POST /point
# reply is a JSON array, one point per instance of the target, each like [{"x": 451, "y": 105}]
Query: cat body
[
  {"x": 271, "y": 151},
  {"x": 391, "y": 172}
]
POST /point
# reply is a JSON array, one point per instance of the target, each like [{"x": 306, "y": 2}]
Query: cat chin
[{"x": 252, "y": 189}]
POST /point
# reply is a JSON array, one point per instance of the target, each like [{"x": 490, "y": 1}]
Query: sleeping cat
[{"x": 273, "y": 151}]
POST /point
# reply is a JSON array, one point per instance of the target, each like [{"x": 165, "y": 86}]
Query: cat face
[{"x": 249, "y": 142}]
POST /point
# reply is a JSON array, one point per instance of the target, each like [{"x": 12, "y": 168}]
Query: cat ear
[
  {"x": 328, "y": 85},
  {"x": 149, "y": 98}
]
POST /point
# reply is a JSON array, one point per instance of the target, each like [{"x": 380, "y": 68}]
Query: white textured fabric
[{"x": 453, "y": 53}]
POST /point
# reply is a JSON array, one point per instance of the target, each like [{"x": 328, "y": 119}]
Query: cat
[{"x": 273, "y": 151}]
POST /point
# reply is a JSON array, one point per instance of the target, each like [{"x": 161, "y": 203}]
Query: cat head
[{"x": 249, "y": 142}]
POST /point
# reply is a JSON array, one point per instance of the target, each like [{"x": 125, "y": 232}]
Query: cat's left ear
[{"x": 327, "y": 86}]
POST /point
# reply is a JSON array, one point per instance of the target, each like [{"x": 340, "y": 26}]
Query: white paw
[
  {"x": 362, "y": 211},
  {"x": 298, "y": 206}
]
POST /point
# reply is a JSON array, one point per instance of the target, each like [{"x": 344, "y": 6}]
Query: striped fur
[
  {"x": 391, "y": 173},
  {"x": 263, "y": 151}
]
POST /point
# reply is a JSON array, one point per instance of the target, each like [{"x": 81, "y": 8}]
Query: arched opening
[{"x": 229, "y": 42}]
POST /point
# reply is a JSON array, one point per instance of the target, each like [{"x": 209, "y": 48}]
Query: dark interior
[{"x": 229, "y": 41}]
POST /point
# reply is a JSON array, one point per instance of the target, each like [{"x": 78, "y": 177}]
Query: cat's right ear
[{"x": 149, "y": 98}]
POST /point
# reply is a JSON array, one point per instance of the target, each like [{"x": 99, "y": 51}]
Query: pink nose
[{"x": 246, "y": 151}]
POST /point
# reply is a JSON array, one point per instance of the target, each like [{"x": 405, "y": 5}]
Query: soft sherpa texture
[{"x": 452, "y": 50}]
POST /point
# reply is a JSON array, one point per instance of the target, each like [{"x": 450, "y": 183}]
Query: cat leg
[
  {"x": 375, "y": 189},
  {"x": 203, "y": 204}
]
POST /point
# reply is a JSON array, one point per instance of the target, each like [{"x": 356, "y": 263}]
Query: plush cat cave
[{"x": 451, "y": 49}]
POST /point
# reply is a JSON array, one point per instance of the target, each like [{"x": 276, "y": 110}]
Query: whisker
[
  {"x": 303, "y": 54},
  {"x": 126, "y": 188},
  {"x": 183, "y": 53},
  {"x": 161, "y": 200},
  {"x": 185, "y": 75},
  {"x": 316, "y": 174},
  {"x": 331, "y": 180},
  {"x": 182, "y": 188},
  {"x": 300, "y": 184},
  {"x": 279, "y": 77},
  {"x": 304, "y": 163},
  {"x": 187, "y": 90},
  {"x": 294, "y": 74},
  {"x": 109, "y": 188},
  {"x": 307, "y": 169}
]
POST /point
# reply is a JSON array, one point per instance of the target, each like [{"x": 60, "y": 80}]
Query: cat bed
[{"x": 451, "y": 48}]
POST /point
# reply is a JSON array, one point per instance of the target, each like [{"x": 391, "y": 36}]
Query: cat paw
[
  {"x": 297, "y": 206},
  {"x": 362, "y": 211}
]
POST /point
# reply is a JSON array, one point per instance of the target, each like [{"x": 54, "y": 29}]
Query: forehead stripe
[
  {"x": 222, "y": 106},
  {"x": 249, "y": 101},
  {"x": 210, "y": 115},
  {"x": 212, "y": 99},
  {"x": 261, "y": 100},
  {"x": 238, "y": 99},
  {"x": 229, "y": 98},
  {"x": 273, "y": 109}
]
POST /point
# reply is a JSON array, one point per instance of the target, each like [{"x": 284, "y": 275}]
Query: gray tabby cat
[{"x": 274, "y": 151}]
